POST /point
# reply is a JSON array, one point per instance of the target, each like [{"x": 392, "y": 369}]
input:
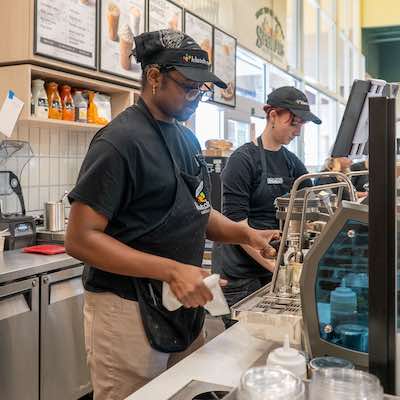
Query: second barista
[{"x": 255, "y": 175}]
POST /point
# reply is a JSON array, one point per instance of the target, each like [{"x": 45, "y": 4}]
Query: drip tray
[{"x": 198, "y": 390}]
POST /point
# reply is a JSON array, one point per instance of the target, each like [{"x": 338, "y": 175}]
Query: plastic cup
[
  {"x": 270, "y": 383},
  {"x": 341, "y": 383}
]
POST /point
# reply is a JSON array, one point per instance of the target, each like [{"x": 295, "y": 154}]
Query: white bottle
[
  {"x": 40, "y": 105},
  {"x": 288, "y": 358},
  {"x": 81, "y": 106}
]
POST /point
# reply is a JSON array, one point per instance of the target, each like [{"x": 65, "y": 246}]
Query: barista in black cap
[
  {"x": 256, "y": 174},
  {"x": 139, "y": 217}
]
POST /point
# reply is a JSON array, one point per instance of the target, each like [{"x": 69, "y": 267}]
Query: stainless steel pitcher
[{"x": 55, "y": 216}]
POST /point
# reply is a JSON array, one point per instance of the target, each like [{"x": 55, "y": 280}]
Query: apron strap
[{"x": 263, "y": 160}]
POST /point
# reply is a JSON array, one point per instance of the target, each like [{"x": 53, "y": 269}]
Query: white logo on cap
[
  {"x": 302, "y": 102},
  {"x": 189, "y": 58},
  {"x": 171, "y": 39}
]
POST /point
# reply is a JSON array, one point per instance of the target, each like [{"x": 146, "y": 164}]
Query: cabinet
[
  {"x": 64, "y": 374},
  {"x": 41, "y": 338},
  {"x": 19, "y": 340}
]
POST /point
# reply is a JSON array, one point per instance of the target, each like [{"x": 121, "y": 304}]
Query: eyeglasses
[
  {"x": 297, "y": 121},
  {"x": 192, "y": 93}
]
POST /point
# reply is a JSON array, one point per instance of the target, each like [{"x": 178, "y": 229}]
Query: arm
[
  {"x": 222, "y": 229},
  {"x": 255, "y": 255},
  {"x": 85, "y": 240}
]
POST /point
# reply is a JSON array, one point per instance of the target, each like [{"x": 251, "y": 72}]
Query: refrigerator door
[
  {"x": 64, "y": 374},
  {"x": 19, "y": 340}
]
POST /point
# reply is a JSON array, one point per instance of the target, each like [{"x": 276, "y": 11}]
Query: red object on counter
[{"x": 48, "y": 249}]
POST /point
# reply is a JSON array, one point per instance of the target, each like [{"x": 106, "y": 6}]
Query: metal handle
[
  {"x": 65, "y": 290},
  {"x": 343, "y": 180},
  {"x": 18, "y": 298},
  {"x": 357, "y": 173}
]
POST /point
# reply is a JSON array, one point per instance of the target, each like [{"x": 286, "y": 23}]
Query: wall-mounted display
[
  {"x": 121, "y": 21},
  {"x": 66, "y": 30},
  {"x": 164, "y": 14},
  {"x": 225, "y": 67},
  {"x": 201, "y": 31}
]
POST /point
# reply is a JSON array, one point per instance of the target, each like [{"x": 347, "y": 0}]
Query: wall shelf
[
  {"x": 54, "y": 123},
  {"x": 18, "y": 78}
]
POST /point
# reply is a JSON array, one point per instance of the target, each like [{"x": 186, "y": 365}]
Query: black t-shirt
[
  {"x": 128, "y": 176},
  {"x": 242, "y": 176}
]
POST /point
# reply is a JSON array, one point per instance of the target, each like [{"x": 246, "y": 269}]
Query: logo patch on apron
[
  {"x": 201, "y": 202},
  {"x": 274, "y": 181}
]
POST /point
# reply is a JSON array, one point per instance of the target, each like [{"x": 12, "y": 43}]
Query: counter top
[
  {"x": 221, "y": 361},
  {"x": 16, "y": 264}
]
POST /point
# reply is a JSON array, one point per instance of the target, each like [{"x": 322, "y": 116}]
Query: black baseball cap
[
  {"x": 293, "y": 100},
  {"x": 175, "y": 49}
]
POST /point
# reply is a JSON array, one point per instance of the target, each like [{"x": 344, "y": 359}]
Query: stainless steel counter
[{"x": 16, "y": 264}]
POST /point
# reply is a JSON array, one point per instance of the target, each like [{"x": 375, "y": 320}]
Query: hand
[
  {"x": 187, "y": 284},
  {"x": 361, "y": 194},
  {"x": 259, "y": 240}
]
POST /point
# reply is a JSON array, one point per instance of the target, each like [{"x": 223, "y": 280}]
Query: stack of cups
[
  {"x": 341, "y": 383},
  {"x": 267, "y": 383}
]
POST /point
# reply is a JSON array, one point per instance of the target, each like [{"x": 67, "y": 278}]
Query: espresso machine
[{"x": 276, "y": 309}]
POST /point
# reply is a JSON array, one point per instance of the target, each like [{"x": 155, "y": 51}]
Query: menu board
[
  {"x": 201, "y": 31},
  {"x": 121, "y": 21},
  {"x": 225, "y": 67},
  {"x": 66, "y": 30},
  {"x": 163, "y": 14}
]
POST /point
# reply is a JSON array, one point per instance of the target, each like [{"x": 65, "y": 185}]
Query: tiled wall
[{"x": 57, "y": 157}]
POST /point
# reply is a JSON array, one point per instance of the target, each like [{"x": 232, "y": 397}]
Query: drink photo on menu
[
  {"x": 225, "y": 67},
  {"x": 164, "y": 14},
  {"x": 201, "y": 31},
  {"x": 121, "y": 21}
]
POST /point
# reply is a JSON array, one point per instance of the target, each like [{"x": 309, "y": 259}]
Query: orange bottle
[
  {"x": 54, "y": 99},
  {"x": 68, "y": 108},
  {"x": 92, "y": 108}
]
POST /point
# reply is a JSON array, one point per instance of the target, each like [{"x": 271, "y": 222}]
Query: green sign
[{"x": 269, "y": 31}]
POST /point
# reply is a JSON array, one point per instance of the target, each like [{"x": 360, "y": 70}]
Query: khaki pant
[{"x": 119, "y": 355}]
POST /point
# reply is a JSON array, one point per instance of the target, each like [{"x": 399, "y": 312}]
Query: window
[
  {"x": 310, "y": 40},
  {"x": 362, "y": 67},
  {"x": 329, "y": 7},
  {"x": 249, "y": 75},
  {"x": 356, "y": 23},
  {"x": 327, "y": 53},
  {"x": 340, "y": 115},
  {"x": 327, "y": 130},
  {"x": 208, "y": 123},
  {"x": 344, "y": 61},
  {"x": 238, "y": 132},
  {"x": 291, "y": 40},
  {"x": 277, "y": 78},
  {"x": 352, "y": 64},
  {"x": 310, "y": 132}
]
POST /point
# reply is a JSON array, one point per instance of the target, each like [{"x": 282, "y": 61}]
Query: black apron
[
  {"x": 232, "y": 261},
  {"x": 179, "y": 236}
]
